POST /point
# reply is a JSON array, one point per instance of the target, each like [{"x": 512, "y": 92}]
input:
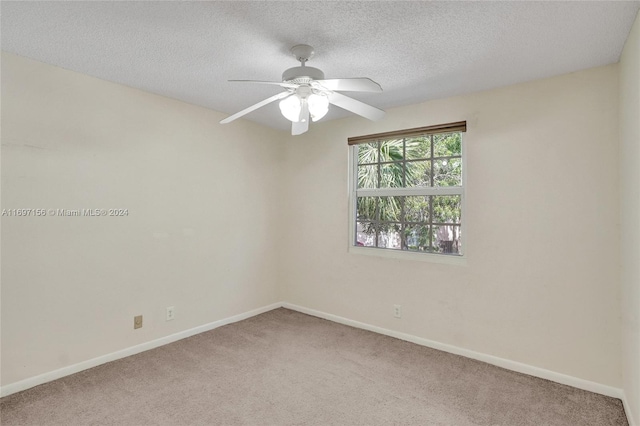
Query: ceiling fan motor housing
[{"x": 302, "y": 74}]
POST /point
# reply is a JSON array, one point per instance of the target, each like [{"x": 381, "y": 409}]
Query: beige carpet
[{"x": 286, "y": 368}]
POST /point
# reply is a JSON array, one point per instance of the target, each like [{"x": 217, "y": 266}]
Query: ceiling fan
[{"x": 308, "y": 94}]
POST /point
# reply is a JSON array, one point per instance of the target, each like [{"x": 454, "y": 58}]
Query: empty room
[{"x": 320, "y": 213}]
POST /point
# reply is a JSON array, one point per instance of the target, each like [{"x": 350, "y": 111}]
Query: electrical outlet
[
  {"x": 397, "y": 311},
  {"x": 171, "y": 313},
  {"x": 137, "y": 322}
]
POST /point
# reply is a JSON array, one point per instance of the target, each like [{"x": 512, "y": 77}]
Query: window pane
[
  {"x": 416, "y": 209},
  {"x": 447, "y": 172},
  {"x": 391, "y": 150},
  {"x": 368, "y": 177},
  {"x": 365, "y": 234},
  {"x": 389, "y": 208},
  {"x": 419, "y": 173},
  {"x": 447, "y": 239},
  {"x": 389, "y": 236},
  {"x": 368, "y": 153},
  {"x": 366, "y": 209},
  {"x": 392, "y": 175},
  {"x": 447, "y": 145},
  {"x": 417, "y": 237},
  {"x": 447, "y": 209},
  {"x": 416, "y": 148}
]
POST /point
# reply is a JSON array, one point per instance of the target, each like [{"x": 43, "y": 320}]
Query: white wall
[
  {"x": 541, "y": 282},
  {"x": 199, "y": 234},
  {"x": 630, "y": 217}
]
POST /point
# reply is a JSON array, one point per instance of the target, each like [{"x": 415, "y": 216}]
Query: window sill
[{"x": 407, "y": 255}]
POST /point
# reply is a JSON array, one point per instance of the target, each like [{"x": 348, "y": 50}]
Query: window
[{"x": 407, "y": 190}]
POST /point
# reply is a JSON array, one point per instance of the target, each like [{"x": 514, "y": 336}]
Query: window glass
[{"x": 409, "y": 193}]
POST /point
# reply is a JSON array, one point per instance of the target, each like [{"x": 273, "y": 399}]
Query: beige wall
[
  {"x": 630, "y": 216},
  {"x": 199, "y": 233},
  {"x": 541, "y": 282}
]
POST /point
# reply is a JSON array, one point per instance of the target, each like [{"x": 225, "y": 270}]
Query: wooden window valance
[{"x": 459, "y": 126}]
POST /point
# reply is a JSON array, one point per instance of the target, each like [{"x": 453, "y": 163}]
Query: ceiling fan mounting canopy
[
  {"x": 303, "y": 52},
  {"x": 308, "y": 94}
]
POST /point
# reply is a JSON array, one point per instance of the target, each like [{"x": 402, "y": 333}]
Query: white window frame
[{"x": 460, "y": 259}]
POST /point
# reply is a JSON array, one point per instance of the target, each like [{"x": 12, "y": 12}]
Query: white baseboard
[
  {"x": 490, "y": 359},
  {"x": 75, "y": 368}
]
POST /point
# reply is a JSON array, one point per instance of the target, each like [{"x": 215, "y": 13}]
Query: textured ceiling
[{"x": 416, "y": 50}]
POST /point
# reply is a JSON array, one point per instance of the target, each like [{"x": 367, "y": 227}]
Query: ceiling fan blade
[
  {"x": 300, "y": 127},
  {"x": 255, "y": 107},
  {"x": 356, "y": 107},
  {"x": 351, "y": 84},
  {"x": 276, "y": 83}
]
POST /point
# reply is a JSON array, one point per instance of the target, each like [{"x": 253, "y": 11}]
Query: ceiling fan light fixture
[
  {"x": 290, "y": 107},
  {"x": 318, "y": 106},
  {"x": 308, "y": 94}
]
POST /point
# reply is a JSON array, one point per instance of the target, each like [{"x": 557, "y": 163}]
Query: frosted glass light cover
[
  {"x": 290, "y": 107},
  {"x": 318, "y": 106}
]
